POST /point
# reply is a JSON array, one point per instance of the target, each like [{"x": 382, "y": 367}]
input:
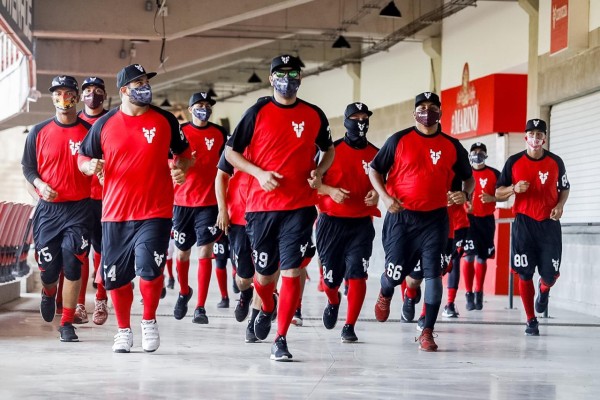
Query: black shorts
[
  {"x": 134, "y": 248},
  {"x": 96, "y": 226},
  {"x": 221, "y": 248},
  {"x": 241, "y": 251},
  {"x": 345, "y": 246},
  {"x": 458, "y": 242},
  {"x": 61, "y": 232},
  {"x": 410, "y": 236},
  {"x": 536, "y": 243},
  {"x": 480, "y": 238},
  {"x": 280, "y": 239},
  {"x": 195, "y": 225}
]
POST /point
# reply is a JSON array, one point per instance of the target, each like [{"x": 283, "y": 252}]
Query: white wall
[
  {"x": 12, "y": 187},
  {"x": 594, "y": 14}
]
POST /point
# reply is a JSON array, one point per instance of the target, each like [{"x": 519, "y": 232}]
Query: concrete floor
[{"x": 483, "y": 354}]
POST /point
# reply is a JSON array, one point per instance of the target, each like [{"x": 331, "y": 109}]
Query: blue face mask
[
  {"x": 286, "y": 87},
  {"x": 141, "y": 96},
  {"x": 203, "y": 114}
]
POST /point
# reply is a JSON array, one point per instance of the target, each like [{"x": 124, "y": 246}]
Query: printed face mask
[
  {"x": 427, "y": 117},
  {"x": 286, "y": 87},
  {"x": 356, "y": 131},
  {"x": 93, "y": 100},
  {"x": 203, "y": 114},
  {"x": 477, "y": 158},
  {"x": 533, "y": 143},
  {"x": 64, "y": 102},
  {"x": 141, "y": 96}
]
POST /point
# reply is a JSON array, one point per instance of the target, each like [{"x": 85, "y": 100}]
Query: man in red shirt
[
  {"x": 195, "y": 211},
  {"x": 345, "y": 230},
  {"x": 538, "y": 180},
  {"x": 479, "y": 244},
  {"x": 413, "y": 174},
  {"x": 274, "y": 143},
  {"x": 128, "y": 143},
  {"x": 61, "y": 220}
]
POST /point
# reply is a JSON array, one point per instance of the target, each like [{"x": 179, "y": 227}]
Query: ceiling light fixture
[
  {"x": 166, "y": 104},
  {"x": 254, "y": 78},
  {"x": 211, "y": 93},
  {"x": 390, "y": 11},
  {"x": 341, "y": 43}
]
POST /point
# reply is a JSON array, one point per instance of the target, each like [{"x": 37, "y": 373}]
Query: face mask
[
  {"x": 356, "y": 132},
  {"x": 286, "y": 87},
  {"x": 533, "y": 143},
  {"x": 477, "y": 158},
  {"x": 141, "y": 96},
  {"x": 427, "y": 117},
  {"x": 203, "y": 114},
  {"x": 93, "y": 100},
  {"x": 64, "y": 103}
]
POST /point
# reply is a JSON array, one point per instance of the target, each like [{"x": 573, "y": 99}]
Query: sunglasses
[{"x": 291, "y": 74}]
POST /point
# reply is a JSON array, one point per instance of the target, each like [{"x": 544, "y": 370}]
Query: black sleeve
[
  {"x": 92, "y": 144},
  {"x": 563, "y": 182},
  {"x": 462, "y": 167},
  {"x": 243, "y": 132},
  {"x": 496, "y": 173},
  {"x": 456, "y": 185},
  {"x": 384, "y": 159},
  {"x": 224, "y": 165},
  {"x": 29, "y": 160},
  {"x": 323, "y": 141},
  {"x": 225, "y": 135},
  {"x": 506, "y": 175}
]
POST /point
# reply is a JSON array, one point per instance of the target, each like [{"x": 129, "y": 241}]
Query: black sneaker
[
  {"x": 250, "y": 336},
  {"x": 171, "y": 283},
  {"x": 243, "y": 306},
  {"x": 421, "y": 323},
  {"x": 279, "y": 350},
  {"x": 224, "y": 303},
  {"x": 181, "y": 306},
  {"x": 262, "y": 323},
  {"x": 478, "y": 300},
  {"x": 541, "y": 301},
  {"x": 330, "y": 313},
  {"x": 348, "y": 335},
  {"x": 450, "y": 311},
  {"x": 200, "y": 316},
  {"x": 67, "y": 333},
  {"x": 235, "y": 287},
  {"x": 408, "y": 308},
  {"x": 532, "y": 327},
  {"x": 48, "y": 307},
  {"x": 163, "y": 292},
  {"x": 470, "y": 301}
]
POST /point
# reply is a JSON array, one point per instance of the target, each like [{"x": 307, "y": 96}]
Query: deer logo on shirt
[
  {"x": 365, "y": 167},
  {"x": 74, "y": 146},
  {"x": 149, "y": 134},
  {"x": 298, "y": 128},
  {"x": 209, "y": 143},
  {"x": 483, "y": 182},
  {"x": 158, "y": 258},
  {"x": 435, "y": 156},
  {"x": 543, "y": 176}
]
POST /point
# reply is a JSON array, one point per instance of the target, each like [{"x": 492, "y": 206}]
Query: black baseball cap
[
  {"x": 93, "y": 81},
  {"x": 427, "y": 96},
  {"x": 354, "y": 108},
  {"x": 201, "y": 96},
  {"x": 538, "y": 124},
  {"x": 286, "y": 61},
  {"x": 64, "y": 81},
  {"x": 131, "y": 73},
  {"x": 478, "y": 145}
]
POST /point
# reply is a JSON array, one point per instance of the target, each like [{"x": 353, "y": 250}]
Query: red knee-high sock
[
  {"x": 451, "y": 295},
  {"x": 265, "y": 292},
  {"x": 122, "y": 299},
  {"x": 288, "y": 300},
  {"x": 169, "y": 265},
  {"x": 467, "y": 273},
  {"x": 68, "y": 316},
  {"x": 527, "y": 293},
  {"x": 61, "y": 280},
  {"x": 183, "y": 271},
  {"x": 151, "y": 294},
  {"x": 50, "y": 291},
  {"x": 204, "y": 272},
  {"x": 332, "y": 294},
  {"x": 97, "y": 256},
  {"x": 403, "y": 287},
  {"x": 101, "y": 292},
  {"x": 85, "y": 275},
  {"x": 357, "y": 288},
  {"x": 411, "y": 293},
  {"x": 480, "y": 269},
  {"x": 221, "y": 274}
]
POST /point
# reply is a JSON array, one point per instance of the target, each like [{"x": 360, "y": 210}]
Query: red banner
[
  {"x": 494, "y": 103},
  {"x": 559, "y": 26}
]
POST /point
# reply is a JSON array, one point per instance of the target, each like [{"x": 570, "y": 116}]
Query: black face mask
[{"x": 356, "y": 132}]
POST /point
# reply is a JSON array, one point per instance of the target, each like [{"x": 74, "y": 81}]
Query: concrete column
[
  {"x": 353, "y": 70},
  {"x": 433, "y": 48},
  {"x": 531, "y": 7}
]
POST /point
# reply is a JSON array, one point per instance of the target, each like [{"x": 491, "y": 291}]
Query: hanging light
[
  {"x": 166, "y": 104},
  {"x": 341, "y": 43},
  {"x": 254, "y": 78},
  {"x": 211, "y": 93},
  {"x": 390, "y": 11}
]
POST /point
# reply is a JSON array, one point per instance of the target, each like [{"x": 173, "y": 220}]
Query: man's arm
[
  {"x": 392, "y": 204},
  {"x": 316, "y": 176},
  {"x": 221, "y": 185},
  {"x": 557, "y": 211},
  {"x": 268, "y": 179}
]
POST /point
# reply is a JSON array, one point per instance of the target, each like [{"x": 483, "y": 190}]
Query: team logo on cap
[
  {"x": 203, "y": 94},
  {"x": 92, "y": 78},
  {"x": 285, "y": 59},
  {"x": 139, "y": 67},
  {"x": 435, "y": 156},
  {"x": 358, "y": 105},
  {"x": 427, "y": 95},
  {"x": 298, "y": 128},
  {"x": 543, "y": 176},
  {"x": 536, "y": 122},
  {"x": 149, "y": 134}
]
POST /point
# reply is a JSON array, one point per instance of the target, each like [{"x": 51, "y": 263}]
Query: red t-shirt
[
  {"x": 282, "y": 138},
  {"x": 51, "y": 155},
  {"x": 96, "y": 191},
  {"x": 420, "y": 168},
  {"x": 485, "y": 182},
  {"x": 458, "y": 217},
  {"x": 199, "y": 187},
  {"x": 546, "y": 176},
  {"x": 350, "y": 171},
  {"x": 237, "y": 192},
  {"x": 137, "y": 179}
]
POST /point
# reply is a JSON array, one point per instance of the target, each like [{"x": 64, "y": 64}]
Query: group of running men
[{"x": 152, "y": 180}]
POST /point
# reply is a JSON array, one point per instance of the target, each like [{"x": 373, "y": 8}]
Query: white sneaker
[
  {"x": 123, "y": 341},
  {"x": 150, "y": 336}
]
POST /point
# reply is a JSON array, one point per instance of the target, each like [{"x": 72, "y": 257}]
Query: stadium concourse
[{"x": 482, "y": 355}]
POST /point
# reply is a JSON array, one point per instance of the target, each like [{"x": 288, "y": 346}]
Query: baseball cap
[
  {"x": 478, "y": 145},
  {"x": 201, "y": 96},
  {"x": 427, "y": 96},
  {"x": 92, "y": 80},
  {"x": 354, "y": 108},
  {"x": 285, "y": 61},
  {"x": 131, "y": 73},
  {"x": 538, "y": 124},
  {"x": 64, "y": 81}
]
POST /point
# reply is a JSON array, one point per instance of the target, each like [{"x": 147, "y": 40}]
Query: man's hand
[
  {"x": 372, "y": 198},
  {"x": 456, "y": 198},
  {"x": 556, "y": 213},
  {"x": 95, "y": 165},
  {"x": 178, "y": 175},
  {"x": 487, "y": 198},
  {"x": 338, "y": 194},
  {"x": 269, "y": 180},
  {"x": 223, "y": 221},
  {"x": 521, "y": 187},
  {"x": 315, "y": 180},
  {"x": 100, "y": 176},
  {"x": 392, "y": 204},
  {"x": 47, "y": 192}
]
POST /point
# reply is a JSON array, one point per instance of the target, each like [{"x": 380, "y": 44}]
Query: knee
[{"x": 433, "y": 290}]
